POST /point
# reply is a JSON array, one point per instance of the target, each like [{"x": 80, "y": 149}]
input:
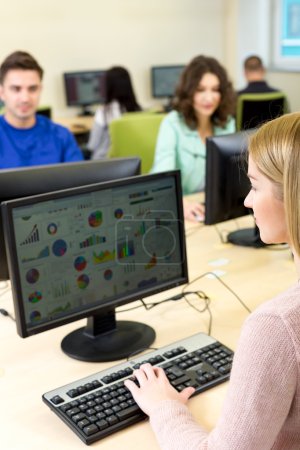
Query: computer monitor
[
  {"x": 25, "y": 181},
  {"x": 82, "y": 252},
  {"x": 227, "y": 185},
  {"x": 164, "y": 80},
  {"x": 84, "y": 88}
]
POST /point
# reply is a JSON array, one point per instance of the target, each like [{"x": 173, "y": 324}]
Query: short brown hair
[
  {"x": 275, "y": 149},
  {"x": 19, "y": 60},
  {"x": 253, "y": 63},
  {"x": 189, "y": 81}
]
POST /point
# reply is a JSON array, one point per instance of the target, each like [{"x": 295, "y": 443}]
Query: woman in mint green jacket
[{"x": 204, "y": 105}]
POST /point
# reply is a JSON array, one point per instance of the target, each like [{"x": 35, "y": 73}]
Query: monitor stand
[
  {"x": 247, "y": 237},
  {"x": 106, "y": 339},
  {"x": 168, "y": 107},
  {"x": 85, "y": 111}
]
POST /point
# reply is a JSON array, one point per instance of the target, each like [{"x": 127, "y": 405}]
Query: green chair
[
  {"x": 135, "y": 134},
  {"x": 255, "y": 109}
]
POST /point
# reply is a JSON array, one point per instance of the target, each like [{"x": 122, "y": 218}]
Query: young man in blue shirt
[{"x": 27, "y": 138}]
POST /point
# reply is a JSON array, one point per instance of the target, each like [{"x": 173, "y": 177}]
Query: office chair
[
  {"x": 255, "y": 109},
  {"x": 45, "y": 111},
  {"x": 135, "y": 134}
]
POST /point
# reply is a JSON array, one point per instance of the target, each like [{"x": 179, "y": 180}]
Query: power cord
[
  {"x": 200, "y": 294},
  {"x": 6, "y": 314},
  {"x": 223, "y": 283}
]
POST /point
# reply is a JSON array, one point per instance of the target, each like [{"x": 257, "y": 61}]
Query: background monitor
[
  {"x": 84, "y": 251},
  {"x": 227, "y": 185},
  {"x": 25, "y": 181},
  {"x": 84, "y": 88},
  {"x": 164, "y": 80}
]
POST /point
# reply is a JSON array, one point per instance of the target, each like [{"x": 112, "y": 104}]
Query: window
[{"x": 286, "y": 35}]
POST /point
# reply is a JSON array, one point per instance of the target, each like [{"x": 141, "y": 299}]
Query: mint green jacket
[{"x": 179, "y": 147}]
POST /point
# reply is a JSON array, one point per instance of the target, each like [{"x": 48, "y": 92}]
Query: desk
[
  {"x": 77, "y": 125},
  {"x": 30, "y": 367}
]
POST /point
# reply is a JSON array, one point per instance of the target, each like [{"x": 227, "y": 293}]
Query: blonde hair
[{"x": 275, "y": 149}]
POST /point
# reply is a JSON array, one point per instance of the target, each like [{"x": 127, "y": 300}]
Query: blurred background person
[
  {"x": 119, "y": 98},
  {"x": 27, "y": 138},
  {"x": 204, "y": 105},
  {"x": 255, "y": 74}
]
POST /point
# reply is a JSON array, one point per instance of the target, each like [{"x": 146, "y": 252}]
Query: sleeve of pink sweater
[{"x": 259, "y": 397}]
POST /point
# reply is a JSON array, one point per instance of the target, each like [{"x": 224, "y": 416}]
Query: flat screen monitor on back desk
[
  {"x": 227, "y": 185},
  {"x": 164, "y": 80},
  {"x": 22, "y": 182},
  {"x": 84, "y": 88},
  {"x": 82, "y": 252}
]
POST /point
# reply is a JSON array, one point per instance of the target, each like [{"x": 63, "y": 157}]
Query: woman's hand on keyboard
[{"x": 154, "y": 387}]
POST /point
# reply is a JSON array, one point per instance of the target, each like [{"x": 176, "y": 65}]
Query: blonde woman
[{"x": 262, "y": 407}]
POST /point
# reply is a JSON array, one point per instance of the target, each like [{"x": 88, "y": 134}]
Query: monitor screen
[
  {"x": 84, "y": 251},
  {"x": 227, "y": 185},
  {"x": 25, "y": 181},
  {"x": 84, "y": 88},
  {"x": 164, "y": 80}
]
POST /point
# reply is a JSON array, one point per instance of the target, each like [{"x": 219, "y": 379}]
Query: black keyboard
[{"x": 100, "y": 404}]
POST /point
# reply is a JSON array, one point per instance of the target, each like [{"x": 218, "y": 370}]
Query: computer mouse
[{"x": 199, "y": 217}]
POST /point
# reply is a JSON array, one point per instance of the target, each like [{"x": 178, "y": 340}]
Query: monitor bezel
[
  {"x": 216, "y": 149},
  {"x": 94, "y": 72},
  {"x": 153, "y": 69},
  {"x": 7, "y": 209}
]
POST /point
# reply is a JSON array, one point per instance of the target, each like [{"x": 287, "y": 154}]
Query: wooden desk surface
[
  {"x": 77, "y": 124},
  {"x": 32, "y": 366}
]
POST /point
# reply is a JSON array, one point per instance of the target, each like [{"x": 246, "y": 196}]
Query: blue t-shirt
[{"x": 44, "y": 143}]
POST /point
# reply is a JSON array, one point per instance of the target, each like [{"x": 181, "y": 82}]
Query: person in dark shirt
[
  {"x": 255, "y": 75},
  {"x": 27, "y": 138}
]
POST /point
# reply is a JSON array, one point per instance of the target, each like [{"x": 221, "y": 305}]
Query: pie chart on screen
[
  {"x": 59, "y": 247},
  {"x": 35, "y": 316},
  {"x": 83, "y": 281},
  {"x": 32, "y": 276},
  {"x": 119, "y": 213},
  {"x": 35, "y": 297},
  {"x": 95, "y": 219},
  {"x": 80, "y": 263}
]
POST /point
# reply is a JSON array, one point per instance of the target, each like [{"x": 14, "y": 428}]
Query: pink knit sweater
[{"x": 262, "y": 406}]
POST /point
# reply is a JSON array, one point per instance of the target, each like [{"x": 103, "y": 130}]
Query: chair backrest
[
  {"x": 135, "y": 134},
  {"x": 45, "y": 111},
  {"x": 255, "y": 109}
]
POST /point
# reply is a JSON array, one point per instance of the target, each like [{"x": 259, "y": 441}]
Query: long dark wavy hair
[
  {"x": 188, "y": 84},
  {"x": 118, "y": 87}
]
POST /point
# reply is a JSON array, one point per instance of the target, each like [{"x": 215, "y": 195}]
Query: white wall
[{"x": 67, "y": 35}]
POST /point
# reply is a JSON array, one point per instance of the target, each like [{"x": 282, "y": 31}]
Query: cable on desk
[
  {"x": 6, "y": 314},
  {"x": 192, "y": 230},
  {"x": 223, "y": 283},
  {"x": 202, "y": 296}
]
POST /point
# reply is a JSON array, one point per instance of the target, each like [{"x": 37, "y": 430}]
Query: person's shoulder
[
  {"x": 227, "y": 128},
  {"x": 283, "y": 306},
  {"x": 174, "y": 119},
  {"x": 52, "y": 127}
]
